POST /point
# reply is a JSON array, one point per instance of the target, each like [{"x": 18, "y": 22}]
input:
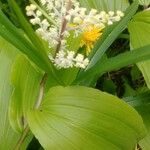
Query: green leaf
[
  {"x": 141, "y": 103},
  {"x": 28, "y": 29},
  {"x": 8, "y": 137},
  {"x": 107, "y": 5},
  {"x": 35, "y": 51},
  {"x": 139, "y": 37},
  {"x": 145, "y": 113},
  {"x": 138, "y": 99},
  {"x": 144, "y": 2},
  {"x": 18, "y": 39},
  {"x": 116, "y": 62},
  {"x": 109, "y": 37},
  {"x": 30, "y": 33},
  {"x": 25, "y": 79},
  {"x": 68, "y": 75},
  {"x": 84, "y": 118}
]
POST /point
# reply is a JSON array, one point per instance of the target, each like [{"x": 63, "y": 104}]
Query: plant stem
[
  {"x": 22, "y": 138},
  {"x": 63, "y": 28},
  {"x": 37, "y": 105},
  {"x": 41, "y": 92}
]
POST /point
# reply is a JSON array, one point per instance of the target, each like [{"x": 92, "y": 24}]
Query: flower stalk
[
  {"x": 64, "y": 26},
  {"x": 26, "y": 130}
]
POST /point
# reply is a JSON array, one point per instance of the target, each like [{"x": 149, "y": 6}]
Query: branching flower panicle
[{"x": 67, "y": 16}]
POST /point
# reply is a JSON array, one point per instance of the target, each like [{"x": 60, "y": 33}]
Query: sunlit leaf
[
  {"x": 8, "y": 137},
  {"x": 25, "y": 79},
  {"x": 84, "y": 118}
]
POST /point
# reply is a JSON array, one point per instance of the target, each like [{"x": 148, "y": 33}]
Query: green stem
[
  {"x": 124, "y": 36},
  {"x": 22, "y": 138},
  {"x": 37, "y": 105}
]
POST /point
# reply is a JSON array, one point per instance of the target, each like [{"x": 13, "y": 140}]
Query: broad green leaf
[
  {"x": 8, "y": 137},
  {"x": 107, "y": 5},
  {"x": 144, "y": 2},
  {"x": 139, "y": 29},
  {"x": 75, "y": 118},
  {"x": 142, "y": 104},
  {"x": 109, "y": 37},
  {"x": 25, "y": 79}
]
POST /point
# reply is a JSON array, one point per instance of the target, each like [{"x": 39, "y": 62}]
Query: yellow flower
[{"x": 89, "y": 37}]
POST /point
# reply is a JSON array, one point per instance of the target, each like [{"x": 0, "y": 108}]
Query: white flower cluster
[
  {"x": 80, "y": 18},
  {"x": 69, "y": 59},
  {"x": 47, "y": 31},
  {"x": 61, "y": 18}
]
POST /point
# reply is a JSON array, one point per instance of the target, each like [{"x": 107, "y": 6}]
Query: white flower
[
  {"x": 80, "y": 62},
  {"x": 67, "y": 59},
  {"x": 76, "y": 19},
  {"x": 93, "y": 12},
  {"x": 64, "y": 60},
  {"x": 120, "y": 13},
  {"x": 30, "y": 9},
  {"x": 35, "y": 21},
  {"x": 111, "y": 13},
  {"x": 110, "y": 22},
  {"x": 38, "y": 13}
]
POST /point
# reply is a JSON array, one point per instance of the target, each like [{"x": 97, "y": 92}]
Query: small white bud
[
  {"x": 110, "y": 22},
  {"x": 111, "y": 13},
  {"x": 117, "y": 18},
  {"x": 93, "y": 12},
  {"x": 77, "y": 20},
  {"x": 38, "y": 13},
  {"x": 120, "y": 13}
]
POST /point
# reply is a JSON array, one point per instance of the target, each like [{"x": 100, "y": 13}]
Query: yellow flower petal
[{"x": 89, "y": 37}]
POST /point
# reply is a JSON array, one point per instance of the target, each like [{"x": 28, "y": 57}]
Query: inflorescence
[{"x": 55, "y": 20}]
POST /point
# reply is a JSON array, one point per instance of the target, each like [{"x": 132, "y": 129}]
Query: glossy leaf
[
  {"x": 84, "y": 118},
  {"x": 8, "y": 137},
  {"x": 140, "y": 36},
  {"x": 25, "y": 79}
]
